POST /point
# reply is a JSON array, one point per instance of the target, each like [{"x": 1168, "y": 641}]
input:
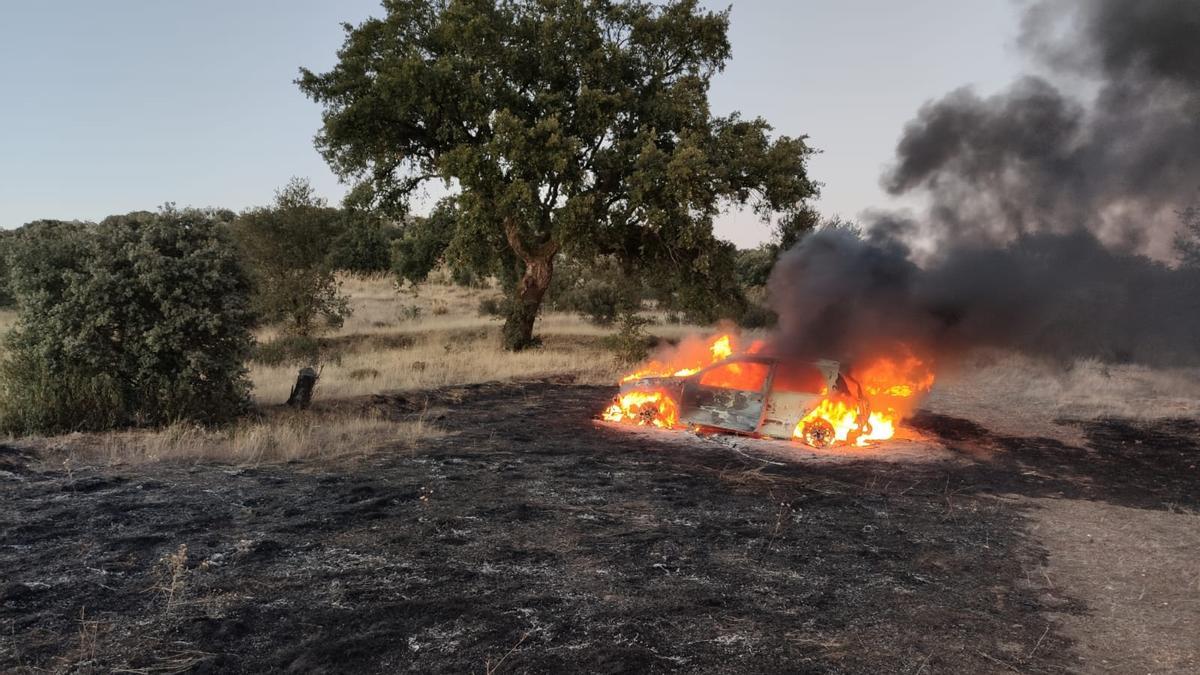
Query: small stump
[{"x": 302, "y": 391}]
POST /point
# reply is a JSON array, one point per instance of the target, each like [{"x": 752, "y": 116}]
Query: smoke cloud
[
  {"x": 1058, "y": 296},
  {"x": 1036, "y": 159},
  {"x": 1051, "y": 215}
]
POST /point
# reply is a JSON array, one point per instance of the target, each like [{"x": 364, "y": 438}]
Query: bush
[
  {"x": 143, "y": 319},
  {"x": 597, "y": 289},
  {"x": 286, "y": 248},
  {"x": 423, "y": 242},
  {"x": 491, "y": 307},
  {"x": 631, "y": 343},
  {"x": 7, "y": 299},
  {"x": 301, "y": 350}
]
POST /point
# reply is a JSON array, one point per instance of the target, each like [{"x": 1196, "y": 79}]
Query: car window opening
[
  {"x": 740, "y": 376},
  {"x": 800, "y": 378}
]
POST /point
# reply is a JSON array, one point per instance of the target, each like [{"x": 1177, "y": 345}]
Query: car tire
[{"x": 818, "y": 433}]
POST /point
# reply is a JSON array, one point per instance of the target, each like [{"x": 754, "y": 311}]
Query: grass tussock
[{"x": 284, "y": 436}]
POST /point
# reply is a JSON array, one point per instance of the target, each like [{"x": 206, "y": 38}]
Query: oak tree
[{"x": 580, "y": 127}]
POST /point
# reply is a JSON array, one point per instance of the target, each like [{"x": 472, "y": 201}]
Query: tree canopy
[{"x": 574, "y": 126}]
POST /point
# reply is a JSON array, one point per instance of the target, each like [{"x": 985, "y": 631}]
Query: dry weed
[
  {"x": 171, "y": 574},
  {"x": 282, "y": 436},
  {"x": 1014, "y": 394}
]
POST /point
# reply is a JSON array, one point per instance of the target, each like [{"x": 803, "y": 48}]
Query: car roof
[{"x": 820, "y": 364}]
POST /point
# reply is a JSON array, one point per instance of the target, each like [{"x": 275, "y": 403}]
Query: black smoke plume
[
  {"x": 1061, "y": 296},
  {"x": 1051, "y": 216},
  {"x": 1119, "y": 163}
]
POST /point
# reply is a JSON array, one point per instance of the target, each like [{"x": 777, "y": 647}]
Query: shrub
[
  {"x": 597, "y": 289},
  {"x": 754, "y": 265},
  {"x": 143, "y": 319},
  {"x": 286, "y": 248},
  {"x": 408, "y": 312},
  {"x": 631, "y": 343},
  {"x": 6, "y": 243},
  {"x": 491, "y": 307},
  {"x": 300, "y": 350}
]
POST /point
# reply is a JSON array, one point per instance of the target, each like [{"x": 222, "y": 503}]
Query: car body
[{"x": 759, "y": 395}]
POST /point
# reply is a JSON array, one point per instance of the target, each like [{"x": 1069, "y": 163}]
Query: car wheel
[{"x": 818, "y": 433}]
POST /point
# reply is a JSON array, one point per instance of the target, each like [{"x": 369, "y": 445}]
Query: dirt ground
[{"x": 532, "y": 538}]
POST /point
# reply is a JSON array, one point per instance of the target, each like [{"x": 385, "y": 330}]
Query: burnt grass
[{"x": 532, "y": 539}]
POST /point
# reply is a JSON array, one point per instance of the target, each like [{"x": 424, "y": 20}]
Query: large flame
[
  {"x": 688, "y": 358},
  {"x": 658, "y": 407},
  {"x": 654, "y": 408},
  {"x": 891, "y": 386}
]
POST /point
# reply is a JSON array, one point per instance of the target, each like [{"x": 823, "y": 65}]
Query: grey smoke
[
  {"x": 1037, "y": 159},
  {"x": 1051, "y": 215}
]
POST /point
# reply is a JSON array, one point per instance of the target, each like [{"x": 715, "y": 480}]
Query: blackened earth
[{"x": 533, "y": 539}]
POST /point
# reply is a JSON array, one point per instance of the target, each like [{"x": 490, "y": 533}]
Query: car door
[
  {"x": 796, "y": 388},
  {"x": 729, "y": 395}
]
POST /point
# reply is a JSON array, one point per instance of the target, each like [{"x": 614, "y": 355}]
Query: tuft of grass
[{"x": 172, "y": 573}]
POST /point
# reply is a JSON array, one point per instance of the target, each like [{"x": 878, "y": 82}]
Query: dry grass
[
  {"x": 398, "y": 338},
  {"x": 1014, "y": 394},
  {"x": 283, "y": 436},
  {"x": 432, "y": 335}
]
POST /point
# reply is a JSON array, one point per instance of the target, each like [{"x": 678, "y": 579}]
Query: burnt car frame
[{"x": 760, "y": 395}]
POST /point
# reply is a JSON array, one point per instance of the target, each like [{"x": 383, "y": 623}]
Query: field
[{"x": 449, "y": 507}]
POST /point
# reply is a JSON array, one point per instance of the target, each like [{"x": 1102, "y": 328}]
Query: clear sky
[{"x": 109, "y": 107}]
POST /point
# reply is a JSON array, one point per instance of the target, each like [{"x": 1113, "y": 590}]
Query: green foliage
[
  {"x": 299, "y": 350},
  {"x": 422, "y": 245},
  {"x": 631, "y": 343},
  {"x": 598, "y": 289},
  {"x": 1187, "y": 242},
  {"x": 791, "y": 228},
  {"x": 286, "y": 249},
  {"x": 754, "y": 265},
  {"x": 576, "y": 126},
  {"x": 141, "y": 320},
  {"x": 36, "y": 397},
  {"x": 364, "y": 246},
  {"x": 491, "y": 307},
  {"x": 7, "y": 299},
  {"x": 702, "y": 284}
]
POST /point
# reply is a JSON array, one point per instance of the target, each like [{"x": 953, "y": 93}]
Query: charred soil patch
[{"x": 532, "y": 538}]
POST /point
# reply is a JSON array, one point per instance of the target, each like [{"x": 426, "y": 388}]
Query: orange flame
[
  {"x": 658, "y": 408},
  {"x": 891, "y": 387},
  {"x": 688, "y": 358},
  {"x": 655, "y": 408}
]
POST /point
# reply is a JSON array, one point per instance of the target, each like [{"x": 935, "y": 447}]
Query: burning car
[
  {"x": 817, "y": 402},
  {"x": 751, "y": 394}
]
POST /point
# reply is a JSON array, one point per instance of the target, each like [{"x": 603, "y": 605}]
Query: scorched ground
[{"x": 533, "y": 531}]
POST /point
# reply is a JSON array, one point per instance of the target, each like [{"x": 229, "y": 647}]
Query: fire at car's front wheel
[{"x": 818, "y": 433}]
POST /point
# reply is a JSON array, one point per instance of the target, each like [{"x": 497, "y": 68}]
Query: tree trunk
[{"x": 527, "y": 297}]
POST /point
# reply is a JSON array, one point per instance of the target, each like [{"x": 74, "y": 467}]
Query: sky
[{"x": 123, "y": 105}]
